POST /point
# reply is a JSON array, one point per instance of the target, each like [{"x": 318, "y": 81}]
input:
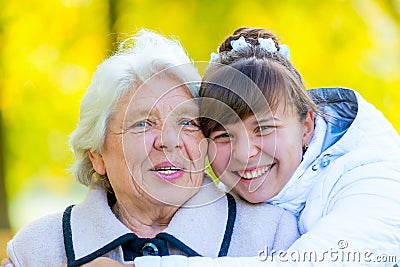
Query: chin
[{"x": 254, "y": 198}]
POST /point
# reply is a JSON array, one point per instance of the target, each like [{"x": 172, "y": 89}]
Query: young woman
[{"x": 326, "y": 155}]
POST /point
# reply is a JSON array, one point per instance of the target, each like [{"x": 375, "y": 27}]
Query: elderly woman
[{"x": 139, "y": 150}]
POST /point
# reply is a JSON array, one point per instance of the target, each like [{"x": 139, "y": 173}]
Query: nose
[
  {"x": 169, "y": 138},
  {"x": 244, "y": 149}
]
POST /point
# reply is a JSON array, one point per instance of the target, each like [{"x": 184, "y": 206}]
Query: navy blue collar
[{"x": 133, "y": 246}]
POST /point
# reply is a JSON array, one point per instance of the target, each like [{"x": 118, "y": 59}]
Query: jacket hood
[{"x": 352, "y": 122}]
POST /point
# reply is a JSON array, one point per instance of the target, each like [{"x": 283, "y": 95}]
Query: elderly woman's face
[{"x": 153, "y": 146}]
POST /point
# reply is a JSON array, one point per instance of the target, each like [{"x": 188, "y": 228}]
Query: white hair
[{"x": 137, "y": 59}]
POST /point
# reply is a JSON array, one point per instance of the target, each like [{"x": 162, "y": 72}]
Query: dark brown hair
[{"x": 245, "y": 82}]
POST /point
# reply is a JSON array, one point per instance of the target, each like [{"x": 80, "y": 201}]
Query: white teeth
[
  {"x": 254, "y": 173},
  {"x": 167, "y": 170},
  {"x": 247, "y": 176}
]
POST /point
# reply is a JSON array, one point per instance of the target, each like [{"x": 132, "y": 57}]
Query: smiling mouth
[{"x": 255, "y": 173}]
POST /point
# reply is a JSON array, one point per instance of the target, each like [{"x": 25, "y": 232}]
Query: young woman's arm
[{"x": 358, "y": 225}]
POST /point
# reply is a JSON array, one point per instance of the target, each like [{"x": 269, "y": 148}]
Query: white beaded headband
[{"x": 265, "y": 43}]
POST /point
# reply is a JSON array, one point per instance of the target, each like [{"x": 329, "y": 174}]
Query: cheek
[
  {"x": 212, "y": 151},
  {"x": 136, "y": 151},
  {"x": 138, "y": 143},
  {"x": 289, "y": 142},
  {"x": 289, "y": 154},
  {"x": 268, "y": 144},
  {"x": 113, "y": 151},
  {"x": 195, "y": 147},
  {"x": 219, "y": 157}
]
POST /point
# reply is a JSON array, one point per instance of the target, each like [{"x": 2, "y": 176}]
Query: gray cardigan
[{"x": 224, "y": 226}]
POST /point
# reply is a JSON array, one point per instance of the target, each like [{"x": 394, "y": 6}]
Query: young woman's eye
[
  {"x": 224, "y": 135},
  {"x": 221, "y": 137},
  {"x": 265, "y": 129}
]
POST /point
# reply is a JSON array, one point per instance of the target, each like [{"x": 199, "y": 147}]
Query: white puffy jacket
[{"x": 345, "y": 193}]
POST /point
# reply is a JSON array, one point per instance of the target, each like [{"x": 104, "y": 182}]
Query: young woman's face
[{"x": 257, "y": 156}]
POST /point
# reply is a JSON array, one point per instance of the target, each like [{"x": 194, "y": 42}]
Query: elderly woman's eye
[
  {"x": 189, "y": 123},
  {"x": 186, "y": 123},
  {"x": 142, "y": 124}
]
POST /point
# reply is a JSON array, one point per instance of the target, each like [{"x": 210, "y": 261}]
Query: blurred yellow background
[{"x": 49, "y": 50}]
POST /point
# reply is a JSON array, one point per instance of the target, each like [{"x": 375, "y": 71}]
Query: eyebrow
[
  {"x": 149, "y": 112},
  {"x": 189, "y": 111},
  {"x": 264, "y": 120},
  {"x": 136, "y": 113}
]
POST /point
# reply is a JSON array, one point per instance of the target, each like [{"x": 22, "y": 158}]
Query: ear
[
  {"x": 97, "y": 162},
  {"x": 308, "y": 127}
]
